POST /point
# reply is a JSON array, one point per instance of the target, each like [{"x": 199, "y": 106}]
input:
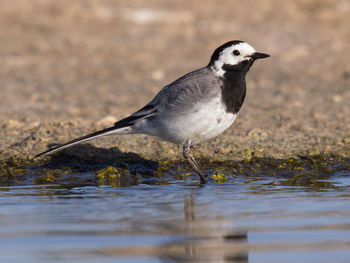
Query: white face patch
[{"x": 227, "y": 56}]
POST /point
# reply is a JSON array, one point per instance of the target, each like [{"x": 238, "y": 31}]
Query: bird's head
[{"x": 234, "y": 56}]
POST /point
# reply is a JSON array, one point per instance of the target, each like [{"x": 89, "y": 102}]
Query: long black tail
[
  {"x": 108, "y": 131},
  {"x": 120, "y": 127}
]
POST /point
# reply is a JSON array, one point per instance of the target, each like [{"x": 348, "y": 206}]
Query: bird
[{"x": 197, "y": 107}]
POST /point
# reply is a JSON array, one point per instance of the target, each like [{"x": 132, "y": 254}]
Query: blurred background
[{"x": 92, "y": 62}]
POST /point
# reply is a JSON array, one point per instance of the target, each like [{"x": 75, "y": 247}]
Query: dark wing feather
[{"x": 145, "y": 112}]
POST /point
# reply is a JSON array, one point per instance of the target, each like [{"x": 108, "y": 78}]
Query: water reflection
[
  {"x": 247, "y": 219},
  {"x": 210, "y": 241}
]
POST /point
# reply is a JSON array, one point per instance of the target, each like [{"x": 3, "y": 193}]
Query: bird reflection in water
[{"x": 208, "y": 240}]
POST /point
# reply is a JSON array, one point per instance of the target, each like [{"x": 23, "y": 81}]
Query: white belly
[
  {"x": 201, "y": 123},
  {"x": 205, "y": 124}
]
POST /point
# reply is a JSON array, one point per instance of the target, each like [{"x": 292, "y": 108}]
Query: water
[{"x": 246, "y": 219}]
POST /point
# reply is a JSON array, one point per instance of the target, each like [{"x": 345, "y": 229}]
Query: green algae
[
  {"x": 134, "y": 169},
  {"x": 108, "y": 176},
  {"x": 218, "y": 177},
  {"x": 116, "y": 177},
  {"x": 48, "y": 178}
]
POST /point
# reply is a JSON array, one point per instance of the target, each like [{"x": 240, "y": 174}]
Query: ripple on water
[{"x": 246, "y": 219}]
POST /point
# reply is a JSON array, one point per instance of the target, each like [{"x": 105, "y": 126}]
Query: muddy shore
[{"x": 70, "y": 68}]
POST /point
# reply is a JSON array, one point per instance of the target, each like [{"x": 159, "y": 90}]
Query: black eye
[{"x": 236, "y": 52}]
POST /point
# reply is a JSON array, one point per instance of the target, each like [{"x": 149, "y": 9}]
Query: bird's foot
[{"x": 187, "y": 153}]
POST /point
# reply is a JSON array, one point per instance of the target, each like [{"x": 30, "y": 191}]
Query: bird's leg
[{"x": 187, "y": 152}]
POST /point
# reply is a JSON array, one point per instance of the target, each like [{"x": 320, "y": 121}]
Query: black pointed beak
[{"x": 258, "y": 55}]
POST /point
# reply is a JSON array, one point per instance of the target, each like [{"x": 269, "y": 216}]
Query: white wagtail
[{"x": 196, "y": 107}]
